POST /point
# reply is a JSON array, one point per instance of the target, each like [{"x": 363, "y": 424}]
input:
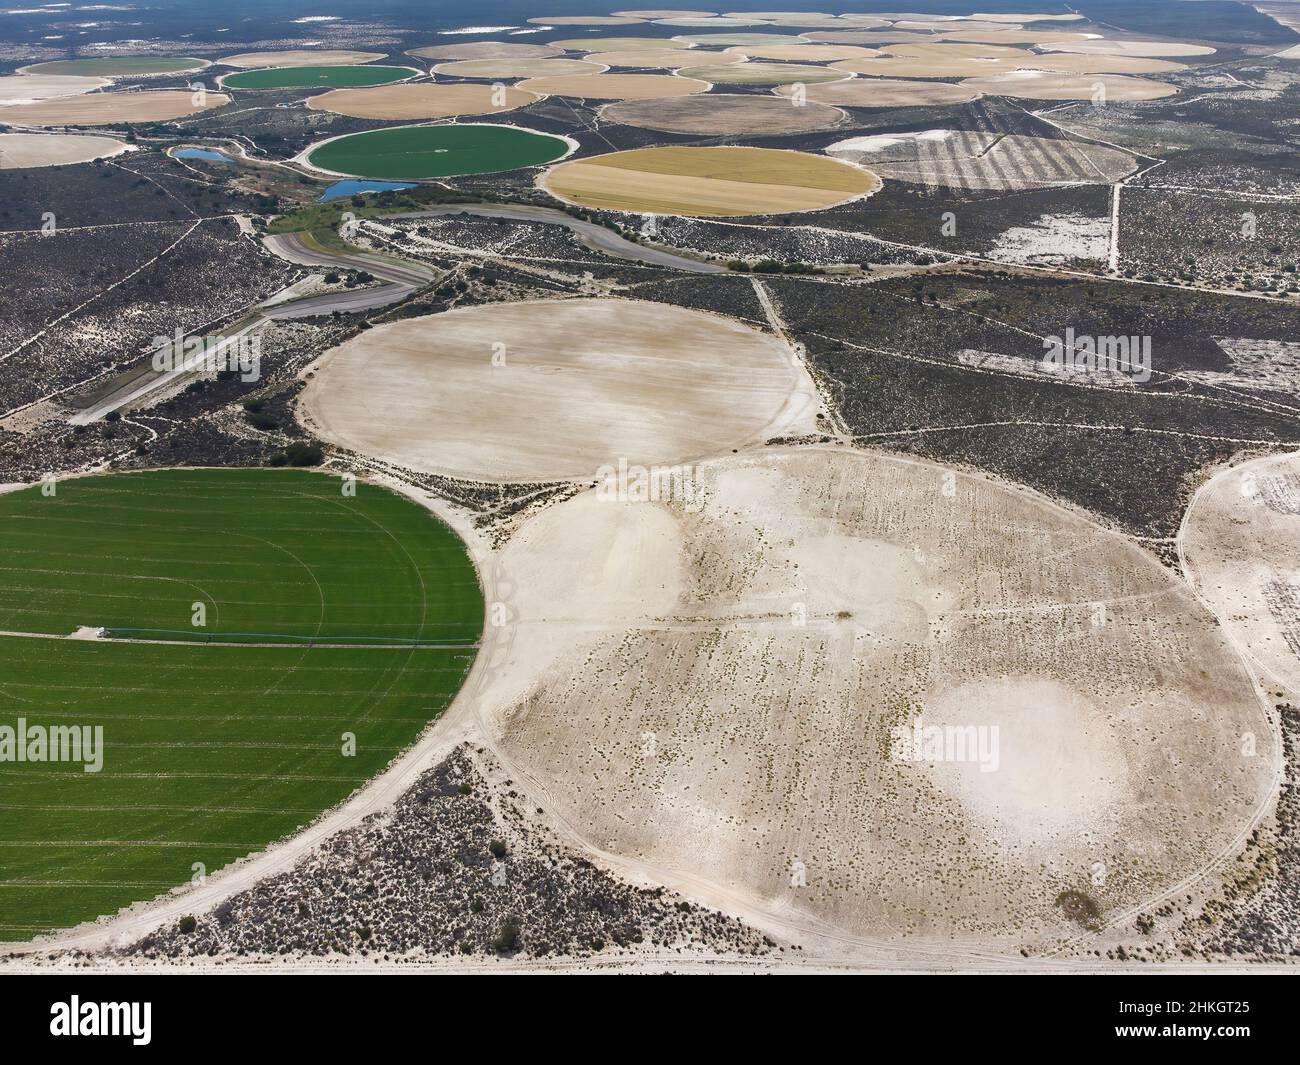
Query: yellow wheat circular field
[{"x": 708, "y": 182}]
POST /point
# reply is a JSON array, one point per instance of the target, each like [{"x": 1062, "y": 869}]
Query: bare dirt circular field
[
  {"x": 555, "y": 389},
  {"x": 928, "y": 66},
  {"x": 620, "y": 44},
  {"x": 1032, "y": 85},
  {"x": 724, "y": 40},
  {"x": 586, "y": 20},
  {"x": 666, "y": 12},
  {"x": 718, "y": 115},
  {"x": 748, "y": 73},
  {"x": 1152, "y": 49},
  {"x": 488, "y": 50},
  {"x": 615, "y": 86},
  {"x": 1014, "y": 36},
  {"x": 22, "y": 151},
  {"x": 884, "y": 92},
  {"x": 959, "y": 159},
  {"x": 804, "y": 53},
  {"x": 871, "y": 691},
  {"x": 28, "y": 88},
  {"x": 421, "y": 100},
  {"x": 516, "y": 68},
  {"x": 1241, "y": 552},
  {"x": 708, "y": 182},
  {"x": 1070, "y": 63},
  {"x": 111, "y": 108},
  {"x": 670, "y": 59},
  {"x": 301, "y": 57}
]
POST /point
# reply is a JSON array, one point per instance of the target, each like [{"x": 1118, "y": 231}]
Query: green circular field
[
  {"x": 414, "y": 152},
  {"x": 325, "y": 614},
  {"x": 118, "y": 66},
  {"x": 349, "y": 77}
]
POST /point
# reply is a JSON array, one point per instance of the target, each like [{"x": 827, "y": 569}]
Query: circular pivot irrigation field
[
  {"x": 554, "y": 389},
  {"x": 343, "y": 77},
  {"x": 324, "y": 615},
  {"x": 415, "y": 152},
  {"x": 709, "y": 182}
]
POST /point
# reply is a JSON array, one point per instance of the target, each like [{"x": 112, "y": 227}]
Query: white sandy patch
[
  {"x": 1241, "y": 552},
  {"x": 1054, "y": 239}
]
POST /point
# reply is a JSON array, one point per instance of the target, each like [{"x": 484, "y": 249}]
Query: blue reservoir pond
[{"x": 353, "y": 187}]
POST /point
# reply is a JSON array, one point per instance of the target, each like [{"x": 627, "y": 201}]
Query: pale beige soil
[
  {"x": 516, "y": 68},
  {"x": 421, "y": 100},
  {"x": 620, "y": 44},
  {"x": 709, "y": 691},
  {"x": 708, "y": 182},
  {"x": 931, "y": 66},
  {"x": 965, "y": 160},
  {"x": 585, "y": 382},
  {"x": 665, "y": 12},
  {"x": 710, "y": 23},
  {"x": 722, "y": 40},
  {"x": 884, "y": 92},
  {"x": 488, "y": 50},
  {"x": 1015, "y": 36},
  {"x": 1064, "y": 63},
  {"x": 669, "y": 58},
  {"x": 28, "y": 88},
  {"x": 943, "y": 50},
  {"x": 587, "y": 20},
  {"x": 615, "y": 86},
  {"x": 1031, "y": 85},
  {"x": 720, "y": 114},
  {"x": 110, "y": 108},
  {"x": 1240, "y": 547},
  {"x": 301, "y": 57},
  {"x": 858, "y": 37},
  {"x": 20, "y": 151},
  {"x": 750, "y": 73},
  {"x": 1153, "y": 49},
  {"x": 804, "y": 53}
]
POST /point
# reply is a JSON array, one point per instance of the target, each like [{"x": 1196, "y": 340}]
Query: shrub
[{"x": 186, "y": 925}]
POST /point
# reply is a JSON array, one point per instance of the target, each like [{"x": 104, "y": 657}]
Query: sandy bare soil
[
  {"x": 1015, "y": 36},
  {"x": 886, "y": 92},
  {"x": 1032, "y": 85},
  {"x": 1154, "y": 49},
  {"x": 20, "y": 151},
  {"x": 708, "y": 182},
  {"x": 1241, "y": 552},
  {"x": 712, "y": 687},
  {"x": 554, "y": 389},
  {"x": 1071, "y": 63},
  {"x": 965, "y": 160},
  {"x": 665, "y": 12},
  {"x": 516, "y": 68},
  {"x": 929, "y": 66},
  {"x": 111, "y": 108},
  {"x": 615, "y": 86},
  {"x": 620, "y": 44},
  {"x": 719, "y": 114},
  {"x": 586, "y": 20},
  {"x": 488, "y": 50},
  {"x": 763, "y": 73},
  {"x": 804, "y": 53},
  {"x": 667, "y": 58},
  {"x": 28, "y": 88},
  {"x": 301, "y": 57},
  {"x": 421, "y": 100}
]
